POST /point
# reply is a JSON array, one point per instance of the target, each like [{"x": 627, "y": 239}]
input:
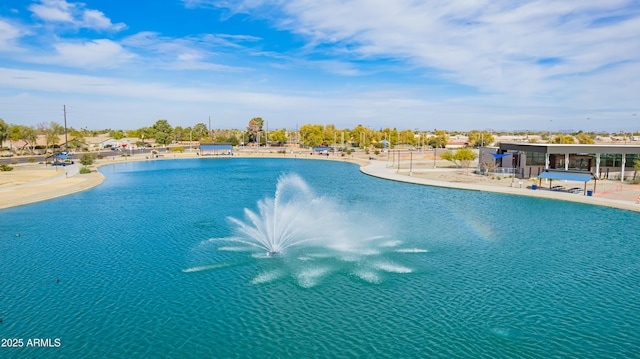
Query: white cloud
[
  {"x": 9, "y": 33},
  {"x": 100, "y": 53},
  {"x": 188, "y": 53},
  {"x": 495, "y": 46},
  {"x": 95, "y": 19},
  {"x": 183, "y": 104},
  {"x": 494, "y": 63},
  {"x": 61, "y": 11},
  {"x": 95, "y": 85},
  {"x": 53, "y": 10}
]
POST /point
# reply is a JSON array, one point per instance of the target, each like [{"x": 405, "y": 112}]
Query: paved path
[
  {"x": 379, "y": 169},
  {"x": 67, "y": 182},
  {"x": 66, "y": 172}
]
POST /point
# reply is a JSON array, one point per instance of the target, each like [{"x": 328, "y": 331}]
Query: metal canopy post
[
  {"x": 546, "y": 161},
  {"x": 624, "y": 160}
]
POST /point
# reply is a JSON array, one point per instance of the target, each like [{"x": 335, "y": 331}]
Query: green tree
[
  {"x": 311, "y": 135},
  {"x": 200, "y": 131},
  {"x": 4, "y": 132},
  {"x": 254, "y": 127},
  {"x": 439, "y": 139},
  {"x": 87, "y": 159},
  {"x": 358, "y": 135},
  {"x": 584, "y": 138},
  {"x": 52, "y": 132},
  {"x": 116, "y": 134},
  {"x": 278, "y": 136},
  {"x": 27, "y": 134},
  {"x": 480, "y": 138},
  {"x": 462, "y": 157},
  {"x": 145, "y": 132},
  {"x": 568, "y": 139},
  {"x": 234, "y": 140},
  {"x": 407, "y": 137},
  {"x": 163, "y": 138},
  {"x": 77, "y": 142},
  {"x": 178, "y": 133},
  {"x": 162, "y": 132}
]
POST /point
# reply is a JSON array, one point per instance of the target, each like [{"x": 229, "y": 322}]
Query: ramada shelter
[
  {"x": 530, "y": 160},
  {"x": 215, "y": 149}
]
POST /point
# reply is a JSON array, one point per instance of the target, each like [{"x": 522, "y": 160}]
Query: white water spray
[{"x": 314, "y": 237}]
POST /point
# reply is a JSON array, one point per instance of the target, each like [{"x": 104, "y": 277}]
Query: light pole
[
  {"x": 411, "y": 163},
  {"x": 434, "y": 154},
  {"x": 388, "y": 144},
  {"x": 190, "y": 140}
]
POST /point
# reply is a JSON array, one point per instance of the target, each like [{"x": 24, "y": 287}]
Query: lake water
[{"x": 149, "y": 265}]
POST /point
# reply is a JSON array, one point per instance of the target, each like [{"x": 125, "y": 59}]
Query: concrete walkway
[
  {"x": 379, "y": 169},
  {"x": 67, "y": 182}
]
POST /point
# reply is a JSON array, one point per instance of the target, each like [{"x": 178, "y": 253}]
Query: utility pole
[{"x": 66, "y": 140}]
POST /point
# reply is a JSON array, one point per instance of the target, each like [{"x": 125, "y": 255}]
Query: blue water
[{"x": 144, "y": 270}]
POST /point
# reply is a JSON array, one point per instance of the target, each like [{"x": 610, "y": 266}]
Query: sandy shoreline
[{"x": 30, "y": 183}]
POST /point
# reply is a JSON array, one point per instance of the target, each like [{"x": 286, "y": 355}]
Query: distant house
[
  {"x": 110, "y": 142},
  {"x": 457, "y": 144}
]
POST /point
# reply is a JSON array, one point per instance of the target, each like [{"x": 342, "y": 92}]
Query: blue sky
[{"x": 445, "y": 64}]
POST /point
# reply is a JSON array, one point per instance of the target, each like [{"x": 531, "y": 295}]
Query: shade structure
[
  {"x": 213, "y": 147},
  {"x": 500, "y": 155},
  {"x": 580, "y": 176},
  {"x": 567, "y": 176}
]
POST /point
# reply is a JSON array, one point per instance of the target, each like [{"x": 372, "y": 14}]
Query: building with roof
[
  {"x": 530, "y": 160},
  {"x": 215, "y": 149}
]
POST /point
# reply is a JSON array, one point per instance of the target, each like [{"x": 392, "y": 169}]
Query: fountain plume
[{"x": 290, "y": 218}]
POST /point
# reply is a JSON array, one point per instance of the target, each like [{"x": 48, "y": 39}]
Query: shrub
[
  {"x": 84, "y": 170},
  {"x": 31, "y": 159},
  {"x": 177, "y": 149},
  {"x": 87, "y": 159},
  {"x": 5, "y": 168}
]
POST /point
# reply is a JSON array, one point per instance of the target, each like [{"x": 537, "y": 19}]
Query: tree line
[{"x": 309, "y": 135}]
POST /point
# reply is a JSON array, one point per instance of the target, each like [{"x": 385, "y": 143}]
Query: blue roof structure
[
  {"x": 568, "y": 176},
  {"x": 221, "y": 147},
  {"x": 500, "y": 155}
]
